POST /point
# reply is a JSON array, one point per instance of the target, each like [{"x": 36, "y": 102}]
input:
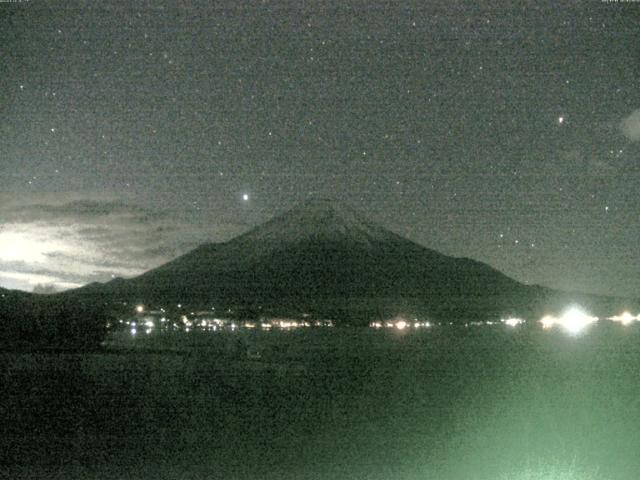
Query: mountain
[{"x": 327, "y": 260}]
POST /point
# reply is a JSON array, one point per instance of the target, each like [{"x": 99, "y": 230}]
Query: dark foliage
[{"x": 50, "y": 322}]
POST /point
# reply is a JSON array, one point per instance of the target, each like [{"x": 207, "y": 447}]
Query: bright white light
[
  {"x": 625, "y": 319},
  {"x": 245, "y": 197},
  {"x": 133, "y": 331},
  {"x": 548, "y": 321},
  {"x": 140, "y": 308},
  {"x": 401, "y": 324},
  {"x": 560, "y": 120},
  {"x": 575, "y": 320}
]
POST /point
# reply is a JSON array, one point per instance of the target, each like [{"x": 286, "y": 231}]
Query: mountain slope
[{"x": 327, "y": 259}]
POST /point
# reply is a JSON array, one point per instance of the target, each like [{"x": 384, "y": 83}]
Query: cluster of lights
[
  {"x": 196, "y": 321},
  {"x": 399, "y": 324},
  {"x": 573, "y": 321},
  {"x": 421, "y": 324},
  {"x": 512, "y": 321},
  {"x": 149, "y": 324},
  {"x": 287, "y": 324}
]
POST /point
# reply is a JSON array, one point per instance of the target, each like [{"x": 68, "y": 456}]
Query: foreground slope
[{"x": 33, "y": 321}]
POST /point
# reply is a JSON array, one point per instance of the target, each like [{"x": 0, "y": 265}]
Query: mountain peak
[
  {"x": 320, "y": 256},
  {"x": 324, "y": 209},
  {"x": 321, "y": 209},
  {"x": 319, "y": 204},
  {"x": 318, "y": 219}
]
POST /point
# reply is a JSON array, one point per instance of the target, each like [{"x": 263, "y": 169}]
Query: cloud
[
  {"x": 28, "y": 281},
  {"x": 630, "y": 126},
  {"x": 93, "y": 210},
  {"x": 69, "y": 241}
]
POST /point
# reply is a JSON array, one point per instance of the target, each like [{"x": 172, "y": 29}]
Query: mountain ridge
[{"x": 328, "y": 259}]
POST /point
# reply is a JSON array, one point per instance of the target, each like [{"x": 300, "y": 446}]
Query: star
[{"x": 350, "y": 130}]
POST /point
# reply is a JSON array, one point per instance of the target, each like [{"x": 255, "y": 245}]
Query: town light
[
  {"x": 548, "y": 321},
  {"x": 625, "y": 319},
  {"x": 512, "y": 322},
  {"x": 574, "y": 320}
]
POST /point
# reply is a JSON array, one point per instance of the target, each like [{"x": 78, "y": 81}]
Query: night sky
[{"x": 507, "y": 132}]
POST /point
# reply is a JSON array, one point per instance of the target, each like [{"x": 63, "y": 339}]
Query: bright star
[
  {"x": 560, "y": 120},
  {"x": 245, "y": 197}
]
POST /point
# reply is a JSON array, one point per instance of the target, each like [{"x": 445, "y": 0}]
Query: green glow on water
[{"x": 486, "y": 404}]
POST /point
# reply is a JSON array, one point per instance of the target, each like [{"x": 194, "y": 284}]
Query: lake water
[{"x": 444, "y": 403}]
